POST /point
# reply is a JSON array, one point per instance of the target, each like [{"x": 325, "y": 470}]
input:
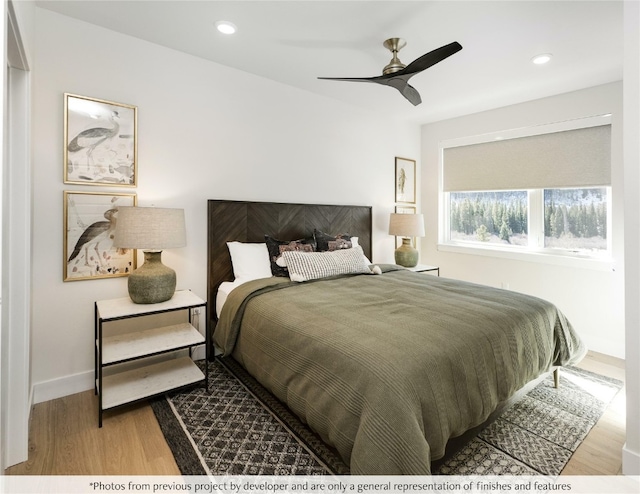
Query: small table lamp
[
  {"x": 406, "y": 226},
  {"x": 150, "y": 229}
]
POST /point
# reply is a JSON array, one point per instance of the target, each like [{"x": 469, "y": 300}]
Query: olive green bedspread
[{"x": 386, "y": 368}]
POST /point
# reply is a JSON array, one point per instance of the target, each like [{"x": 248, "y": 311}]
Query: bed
[{"x": 385, "y": 367}]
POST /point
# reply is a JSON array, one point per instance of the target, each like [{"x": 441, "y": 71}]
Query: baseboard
[
  {"x": 630, "y": 461},
  {"x": 63, "y": 386}
]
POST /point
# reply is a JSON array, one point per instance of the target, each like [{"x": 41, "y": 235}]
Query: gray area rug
[
  {"x": 538, "y": 434},
  {"x": 241, "y": 429}
]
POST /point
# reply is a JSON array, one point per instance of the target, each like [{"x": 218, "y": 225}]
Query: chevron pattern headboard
[{"x": 247, "y": 221}]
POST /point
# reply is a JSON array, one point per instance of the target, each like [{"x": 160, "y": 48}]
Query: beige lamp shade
[
  {"x": 406, "y": 225},
  {"x": 152, "y": 230},
  {"x": 149, "y": 228}
]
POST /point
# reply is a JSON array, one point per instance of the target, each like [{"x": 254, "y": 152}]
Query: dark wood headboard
[{"x": 246, "y": 221}]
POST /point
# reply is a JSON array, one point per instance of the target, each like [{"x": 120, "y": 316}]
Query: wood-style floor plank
[
  {"x": 601, "y": 452},
  {"x": 65, "y": 438}
]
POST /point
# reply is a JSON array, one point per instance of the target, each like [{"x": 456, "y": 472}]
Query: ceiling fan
[{"x": 397, "y": 75}]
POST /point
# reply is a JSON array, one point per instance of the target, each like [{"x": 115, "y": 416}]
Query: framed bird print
[
  {"x": 89, "y": 225},
  {"x": 405, "y": 180},
  {"x": 100, "y": 142}
]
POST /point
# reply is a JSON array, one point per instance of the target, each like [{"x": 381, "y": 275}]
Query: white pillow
[
  {"x": 250, "y": 260},
  {"x": 304, "y": 266}
]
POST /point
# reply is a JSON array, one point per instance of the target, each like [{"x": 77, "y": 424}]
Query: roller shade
[{"x": 572, "y": 158}]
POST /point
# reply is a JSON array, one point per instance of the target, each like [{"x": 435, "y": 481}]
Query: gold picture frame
[
  {"x": 89, "y": 225},
  {"x": 100, "y": 142},
  {"x": 405, "y": 181}
]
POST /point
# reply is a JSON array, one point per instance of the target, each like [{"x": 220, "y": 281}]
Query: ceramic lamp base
[
  {"x": 406, "y": 255},
  {"x": 153, "y": 282}
]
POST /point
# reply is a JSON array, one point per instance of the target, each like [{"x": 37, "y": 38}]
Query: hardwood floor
[
  {"x": 601, "y": 452},
  {"x": 65, "y": 438}
]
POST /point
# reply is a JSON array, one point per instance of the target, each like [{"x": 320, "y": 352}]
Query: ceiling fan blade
[
  {"x": 352, "y": 79},
  {"x": 399, "y": 83},
  {"x": 412, "y": 95},
  {"x": 408, "y": 91},
  {"x": 429, "y": 59}
]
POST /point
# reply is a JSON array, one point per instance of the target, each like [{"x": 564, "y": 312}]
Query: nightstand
[
  {"x": 423, "y": 268},
  {"x": 151, "y": 377}
]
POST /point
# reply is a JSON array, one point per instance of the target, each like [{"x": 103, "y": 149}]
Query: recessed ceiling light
[
  {"x": 542, "y": 58},
  {"x": 226, "y": 27}
]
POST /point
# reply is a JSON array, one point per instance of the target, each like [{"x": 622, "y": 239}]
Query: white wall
[
  {"x": 631, "y": 450},
  {"x": 205, "y": 131},
  {"x": 592, "y": 299}
]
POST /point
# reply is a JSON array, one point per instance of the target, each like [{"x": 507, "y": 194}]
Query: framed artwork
[
  {"x": 405, "y": 180},
  {"x": 405, "y": 210},
  {"x": 89, "y": 226},
  {"x": 100, "y": 142}
]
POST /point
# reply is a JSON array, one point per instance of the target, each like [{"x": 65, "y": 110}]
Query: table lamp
[
  {"x": 406, "y": 226},
  {"x": 152, "y": 230}
]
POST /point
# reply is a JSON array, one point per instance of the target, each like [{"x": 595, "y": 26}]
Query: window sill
[{"x": 600, "y": 264}]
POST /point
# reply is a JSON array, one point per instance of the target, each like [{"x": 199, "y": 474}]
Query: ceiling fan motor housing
[{"x": 394, "y": 45}]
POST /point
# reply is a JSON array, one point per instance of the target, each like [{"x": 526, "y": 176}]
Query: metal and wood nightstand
[{"x": 124, "y": 385}]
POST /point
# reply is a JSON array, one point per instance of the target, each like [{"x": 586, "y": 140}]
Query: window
[
  {"x": 575, "y": 220},
  {"x": 542, "y": 190},
  {"x": 496, "y": 217}
]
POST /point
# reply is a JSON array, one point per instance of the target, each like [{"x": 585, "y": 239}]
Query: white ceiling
[{"x": 294, "y": 42}]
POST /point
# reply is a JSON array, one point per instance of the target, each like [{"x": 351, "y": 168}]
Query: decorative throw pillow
[
  {"x": 250, "y": 261},
  {"x": 304, "y": 266},
  {"x": 326, "y": 242},
  {"x": 277, "y": 247}
]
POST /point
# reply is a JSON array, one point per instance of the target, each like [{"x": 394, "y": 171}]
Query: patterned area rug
[
  {"x": 241, "y": 429},
  {"x": 539, "y": 433}
]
